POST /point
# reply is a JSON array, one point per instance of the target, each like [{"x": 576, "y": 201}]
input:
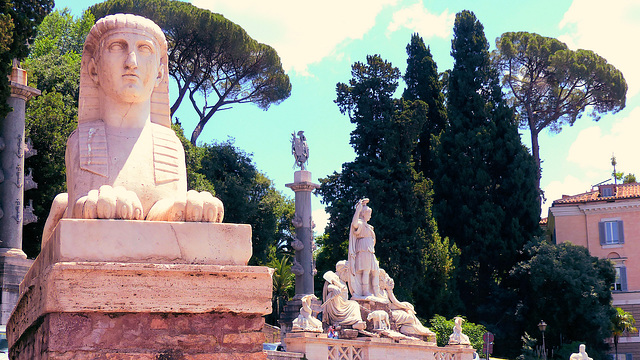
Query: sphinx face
[{"x": 128, "y": 66}]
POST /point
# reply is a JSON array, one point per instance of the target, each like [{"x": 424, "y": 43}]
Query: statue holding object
[
  {"x": 364, "y": 279},
  {"x": 299, "y": 149},
  {"x": 124, "y": 161}
]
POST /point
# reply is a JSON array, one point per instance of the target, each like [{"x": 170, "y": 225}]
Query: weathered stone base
[
  {"x": 12, "y": 271},
  {"x": 319, "y": 347},
  {"x": 208, "y": 305},
  {"x": 142, "y": 336}
]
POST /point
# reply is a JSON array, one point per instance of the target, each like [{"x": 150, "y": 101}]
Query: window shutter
[
  {"x": 603, "y": 240},
  {"x": 621, "y": 232},
  {"x": 623, "y": 277}
]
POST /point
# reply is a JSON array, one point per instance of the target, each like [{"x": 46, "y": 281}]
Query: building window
[
  {"x": 620, "y": 283},
  {"x": 611, "y": 232}
]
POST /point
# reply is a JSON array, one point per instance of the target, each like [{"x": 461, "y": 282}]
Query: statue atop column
[
  {"x": 299, "y": 149},
  {"x": 124, "y": 161}
]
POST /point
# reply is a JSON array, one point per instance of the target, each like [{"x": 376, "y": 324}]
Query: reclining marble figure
[
  {"x": 124, "y": 161},
  {"x": 337, "y": 309}
]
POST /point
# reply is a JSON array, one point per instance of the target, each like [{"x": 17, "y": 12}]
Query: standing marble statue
[
  {"x": 336, "y": 308},
  {"x": 364, "y": 280},
  {"x": 300, "y": 149},
  {"x": 124, "y": 161}
]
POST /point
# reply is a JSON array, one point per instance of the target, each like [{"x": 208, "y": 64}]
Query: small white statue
[
  {"x": 337, "y": 309},
  {"x": 380, "y": 320},
  {"x": 581, "y": 355},
  {"x": 305, "y": 321},
  {"x": 363, "y": 265},
  {"x": 403, "y": 313},
  {"x": 458, "y": 338},
  {"x": 124, "y": 161}
]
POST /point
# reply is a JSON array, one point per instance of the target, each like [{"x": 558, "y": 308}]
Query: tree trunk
[{"x": 535, "y": 151}]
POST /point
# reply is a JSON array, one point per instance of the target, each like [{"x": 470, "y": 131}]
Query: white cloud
[
  {"x": 321, "y": 219},
  {"x": 608, "y": 28},
  {"x": 570, "y": 185},
  {"x": 418, "y": 19},
  {"x": 593, "y": 148},
  {"x": 302, "y": 32}
]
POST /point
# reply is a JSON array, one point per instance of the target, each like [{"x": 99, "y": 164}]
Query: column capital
[
  {"x": 302, "y": 186},
  {"x": 23, "y": 92}
]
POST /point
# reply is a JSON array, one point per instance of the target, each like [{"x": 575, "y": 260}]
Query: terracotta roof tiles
[{"x": 624, "y": 191}]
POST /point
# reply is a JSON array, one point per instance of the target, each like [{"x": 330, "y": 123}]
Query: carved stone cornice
[
  {"x": 303, "y": 186},
  {"x": 22, "y": 91}
]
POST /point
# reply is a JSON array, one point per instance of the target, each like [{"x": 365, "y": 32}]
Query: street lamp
[{"x": 543, "y": 326}]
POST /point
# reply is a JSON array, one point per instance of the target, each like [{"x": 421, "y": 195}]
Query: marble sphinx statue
[{"x": 124, "y": 161}]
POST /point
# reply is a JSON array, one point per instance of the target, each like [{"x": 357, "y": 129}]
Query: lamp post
[{"x": 543, "y": 326}]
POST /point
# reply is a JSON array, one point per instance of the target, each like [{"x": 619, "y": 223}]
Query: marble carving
[
  {"x": 581, "y": 355},
  {"x": 305, "y": 321},
  {"x": 363, "y": 265},
  {"x": 337, "y": 309},
  {"x": 362, "y": 276},
  {"x": 124, "y": 161},
  {"x": 458, "y": 338}
]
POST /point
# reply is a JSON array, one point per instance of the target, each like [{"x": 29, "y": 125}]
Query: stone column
[
  {"x": 303, "y": 186},
  {"x": 13, "y": 261},
  {"x": 12, "y": 162},
  {"x": 303, "y": 267}
]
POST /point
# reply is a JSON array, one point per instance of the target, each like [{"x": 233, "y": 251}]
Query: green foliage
[
  {"x": 50, "y": 118},
  {"x": 485, "y": 195},
  {"x": 629, "y": 179},
  {"x": 444, "y": 328},
  {"x": 249, "y": 196},
  {"x": 621, "y": 322},
  {"x": 550, "y": 86},
  {"x": 283, "y": 285},
  {"x": 570, "y": 290},
  {"x": 529, "y": 349},
  {"x": 211, "y": 56},
  {"x": 385, "y": 136},
  {"x": 423, "y": 83},
  {"x": 19, "y": 20}
]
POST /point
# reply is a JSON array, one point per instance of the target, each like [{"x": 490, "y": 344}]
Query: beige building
[{"x": 606, "y": 220}]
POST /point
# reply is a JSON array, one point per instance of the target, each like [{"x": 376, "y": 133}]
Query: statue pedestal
[
  {"x": 319, "y": 347},
  {"x": 167, "y": 305}
]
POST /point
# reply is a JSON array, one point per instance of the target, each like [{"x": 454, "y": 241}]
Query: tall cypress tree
[
  {"x": 384, "y": 138},
  {"x": 423, "y": 84},
  {"x": 485, "y": 189}
]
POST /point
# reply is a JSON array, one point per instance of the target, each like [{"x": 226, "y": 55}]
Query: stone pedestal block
[
  {"x": 12, "y": 271},
  {"x": 319, "y": 347},
  {"x": 187, "y": 304}
]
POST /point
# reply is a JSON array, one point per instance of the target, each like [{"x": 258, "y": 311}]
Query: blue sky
[{"x": 318, "y": 42}]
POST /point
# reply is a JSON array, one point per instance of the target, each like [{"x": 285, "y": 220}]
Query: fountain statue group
[{"x": 372, "y": 309}]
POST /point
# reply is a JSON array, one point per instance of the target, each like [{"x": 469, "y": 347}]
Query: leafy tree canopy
[
  {"x": 211, "y": 56},
  {"x": 484, "y": 186},
  {"x": 19, "y": 20},
  {"x": 385, "y": 136},
  {"x": 444, "y": 328},
  {"x": 423, "y": 83},
  {"x": 570, "y": 290},
  {"x": 551, "y": 86}
]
